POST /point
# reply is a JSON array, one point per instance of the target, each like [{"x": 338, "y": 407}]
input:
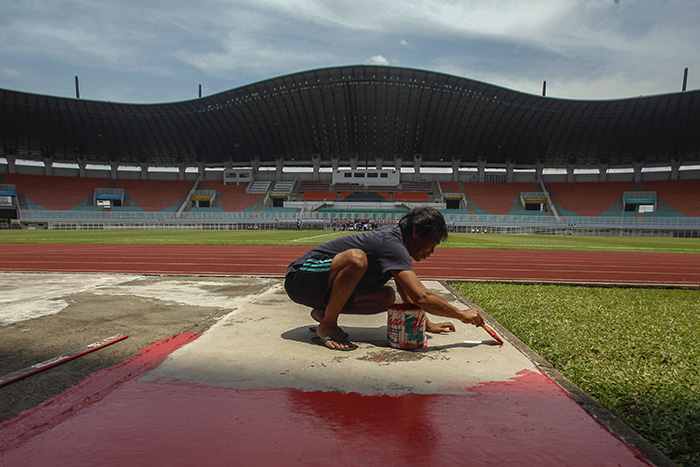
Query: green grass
[
  {"x": 634, "y": 350},
  {"x": 170, "y": 237},
  {"x": 290, "y": 237},
  {"x": 571, "y": 242}
]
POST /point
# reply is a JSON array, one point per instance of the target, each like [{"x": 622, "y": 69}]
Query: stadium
[
  {"x": 348, "y": 147},
  {"x": 219, "y": 367}
]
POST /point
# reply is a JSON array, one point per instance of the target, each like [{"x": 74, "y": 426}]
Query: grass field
[
  {"x": 290, "y": 237},
  {"x": 635, "y": 350}
]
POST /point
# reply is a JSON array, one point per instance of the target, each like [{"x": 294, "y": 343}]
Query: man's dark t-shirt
[{"x": 385, "y": 252}]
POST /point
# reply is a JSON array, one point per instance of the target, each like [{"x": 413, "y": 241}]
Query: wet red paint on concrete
[
  {"x": 110, "y": 418},
  {"x": 114, "y": 418},
  {"x": 445, "y": 263},
  {"x": 528, "y": 420},
  {"x": 54, "y": 411}
]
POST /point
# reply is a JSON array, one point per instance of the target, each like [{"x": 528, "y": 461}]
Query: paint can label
[{"x": 406, "y": 326}]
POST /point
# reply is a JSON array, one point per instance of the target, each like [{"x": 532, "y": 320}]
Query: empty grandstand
[{"x": 357, "y": 142}]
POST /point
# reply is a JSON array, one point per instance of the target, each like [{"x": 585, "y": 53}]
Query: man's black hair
[{"x": 425, "y": 221}]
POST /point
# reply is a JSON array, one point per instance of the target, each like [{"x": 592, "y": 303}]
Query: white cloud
[
  {"x": 89, "y": 34},
  {"x": 583, "y": 48},
  {"x": 377, "y": 60},
  {"x": 481, "y": 17},
  {"x": 239, "y": 55}
]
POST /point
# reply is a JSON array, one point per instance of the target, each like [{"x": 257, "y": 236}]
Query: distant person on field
[{"x": 349, "y": 275}]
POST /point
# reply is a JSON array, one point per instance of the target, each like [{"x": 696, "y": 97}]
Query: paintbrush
[{"x": 492, "y": 333}]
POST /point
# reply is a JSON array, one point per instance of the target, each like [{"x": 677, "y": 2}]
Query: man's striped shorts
[{"x": 308, "y": 285}]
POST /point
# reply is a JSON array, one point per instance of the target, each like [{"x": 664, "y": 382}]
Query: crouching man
[{"x": 349, "y": 275}]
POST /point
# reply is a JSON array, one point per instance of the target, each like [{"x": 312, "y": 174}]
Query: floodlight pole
[
  {"x": 685, "y": 79},
  {"x": 544, "y": 88},
  {"x": 77, "y": 88}
]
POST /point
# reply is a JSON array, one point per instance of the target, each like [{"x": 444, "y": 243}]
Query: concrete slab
[
  {"x": 254, "y": 389},
  {"x": 266, "y": 342},
  {"x": 28, "y": 296},
  {"x": 43, "y": 315}
]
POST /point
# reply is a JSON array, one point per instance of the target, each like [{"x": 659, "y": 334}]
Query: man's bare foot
[
  {"x": 317, "y": 314},
  {"x": 334, "y": 338}
]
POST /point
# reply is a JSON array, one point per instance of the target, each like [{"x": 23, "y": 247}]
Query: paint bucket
[{"x": 406, "y": 326}]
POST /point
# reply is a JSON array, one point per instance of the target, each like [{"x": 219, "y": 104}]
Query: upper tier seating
[
  {"x": 57, "y": 192},
  {"x": 155, "y": 195},
  {"x": 588, "y": 198},
  {"x": 411, "y": 197},
  {"x": 496, "y": 198},
  {"x": 417, "y": 187},
  {"x": 314, "y": 185},
  {"x": 348, "y": 187},
  {"x": 381, "y": 188},
  {"x": 319, "y": 196},
  {"x": 450, "y": 187},
  {"x": 233, "y": 197},
  {"x": 682, "y": 196}
]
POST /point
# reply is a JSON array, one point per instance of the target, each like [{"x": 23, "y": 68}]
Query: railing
[
  {"x": 47, "y": 214},
  {"x": 533, "y": 195},
  {"x": 639, "y": 195},
  {"x": 209, "y": 194},
  {"x": 573, "y": 220},
  {"x": 44, "y": 215},
  {"x": 351, "y": 215},
  {"x": 238, "y": 215}
]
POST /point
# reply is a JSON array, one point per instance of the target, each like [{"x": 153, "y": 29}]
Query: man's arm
[
  {"x": 402, "y": 294},
  {"x": 413, "y": 291},
  {"x": 436, "y": 328}
]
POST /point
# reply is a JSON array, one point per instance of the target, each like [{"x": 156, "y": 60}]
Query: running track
[
  {"x": 657, "y": 269},
  {"x": 526, "y": 420}
]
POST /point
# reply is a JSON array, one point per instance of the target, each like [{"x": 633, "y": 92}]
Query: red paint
[
  {"x": 110, "y": 418},
  {"x": 36, "y": 368},
  {"x": 528, "y": 420},
  {"x": 89, "y": 390},
  {"x": 446, "y": 263}
]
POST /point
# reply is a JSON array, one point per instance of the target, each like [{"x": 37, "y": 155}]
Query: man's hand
[
  {"x": 471, "y": 316},
  {"x": 438, "y": 328}
]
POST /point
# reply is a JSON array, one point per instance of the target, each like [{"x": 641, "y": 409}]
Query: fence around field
[
  {"x": 45, "y": 215},
  {"x": 625, "y": 224}
]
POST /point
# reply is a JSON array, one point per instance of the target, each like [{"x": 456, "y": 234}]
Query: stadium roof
[{"x": 357, "y": 111}]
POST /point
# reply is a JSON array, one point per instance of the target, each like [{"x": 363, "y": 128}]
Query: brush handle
[{"x": 493, "y": 334}]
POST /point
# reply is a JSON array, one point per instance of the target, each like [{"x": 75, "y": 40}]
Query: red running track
[
  {"x": 114, "y": 418},
  {"x": 662, "y": 269}
]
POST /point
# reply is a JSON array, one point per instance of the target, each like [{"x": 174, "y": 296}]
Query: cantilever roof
[{"x": 363, "y": 111}]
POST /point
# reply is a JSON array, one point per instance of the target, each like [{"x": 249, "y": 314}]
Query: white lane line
[{"x": 303, "y": 239}]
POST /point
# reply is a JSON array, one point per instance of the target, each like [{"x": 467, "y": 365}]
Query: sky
[{"x": 157, "y": 51}]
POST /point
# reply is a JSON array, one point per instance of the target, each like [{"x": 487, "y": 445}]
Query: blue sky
[{"x": 149, "y": 51}]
